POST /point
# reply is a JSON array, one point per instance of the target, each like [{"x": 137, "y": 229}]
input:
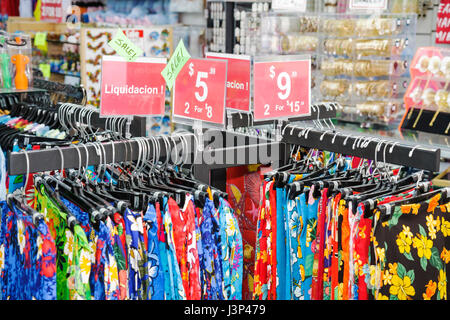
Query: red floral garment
[
  {"x": 243, "y": 188},
  {"x": 186, "y": 246},
  {"x": 263, "y": 263},
  {"x": 272, "y": 286},
  {"x": 334, "y": 276},
  {"x": 120, "y": 248},
  {"x": 265, "y": 266},
  {"x": 317, "y": 278}
]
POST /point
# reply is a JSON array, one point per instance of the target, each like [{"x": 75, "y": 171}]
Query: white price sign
[
  {"x": 368, "y": 4},
  {"x": 296, "y": 5}
]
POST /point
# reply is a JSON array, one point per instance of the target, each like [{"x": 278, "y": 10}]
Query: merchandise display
[
  {"x": 155, "y": 41},
  {"x": 428, "y": 91},
  {"x": 372, "y": 56},
  {"x": 204, "y": 150},
  {"x": 61, "y": 52},
  {"x": 338, "y": 247},
  {"x": 15, "y": 61},
  {"x": 125, "y": 14},
  {"x": 358, "y": 61},
  {"x": 232, "y": 27}
]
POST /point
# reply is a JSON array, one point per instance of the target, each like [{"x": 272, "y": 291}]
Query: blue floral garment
[
  {"x": 27, "y": 235},
  {"x": 237, "y": 259},
  {"x": 211, "y": 254},
  {"x": 174, "y": 289},
  {"x": 11, "y": 270},
  {"x": 198, "y": 233},
  {"x": 103, "y": 248},
  {"x": 163, "y": 254},
  {"x": 283, "y": 246},
  {"x": 295, "y": 229},
  {"x": 309, "y": 207},
  {"x": 27, "y": 258},
  {"x": 136, "y": 259},
  {"x": 232, "y": 252},
  {"x": 155, "y": 271},
  {"x": 46, "y": 262}
]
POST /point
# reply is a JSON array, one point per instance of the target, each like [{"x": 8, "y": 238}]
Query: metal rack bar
[
  {"x": 392, "y": 151},
  {"x": 50, "y": 159},
  {"x": 234, "y": 152}
]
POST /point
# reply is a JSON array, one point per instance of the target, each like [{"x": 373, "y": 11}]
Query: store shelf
[
  {"x": 67, "y": 74},
  {"x": 63, "y": 42},
  {"x": 6, "y": 91}
]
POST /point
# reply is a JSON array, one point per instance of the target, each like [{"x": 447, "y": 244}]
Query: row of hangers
[
  {"x": 370, "y": 181},
  {"x": 121, "y": 185}
]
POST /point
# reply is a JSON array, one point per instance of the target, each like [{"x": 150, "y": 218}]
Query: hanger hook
[
  {"x": 79, "y": 157},
  {"x": 412, "y": 150},
  {"x": 87, "y": 159},
  {"x": 27, "y": 172},
  {"x": 62, "y": 159}
]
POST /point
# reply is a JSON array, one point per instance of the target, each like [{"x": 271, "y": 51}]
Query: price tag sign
[
  {"x": 200, "y": 92},
  {"x": 40, "y": 39},
  {"x": 45, "y": 68},
  {"x": 238, "y": 80},
  {"x": 132, "y": 88},
  {"x": 52, "y": 11},
  {"x": 282, "y": 89},
  {"x": 368, "y": 4},
  {"x": 443, "y": 23}
]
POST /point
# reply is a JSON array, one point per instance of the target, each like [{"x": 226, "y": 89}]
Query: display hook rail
[{"x": 371, "y": 148}]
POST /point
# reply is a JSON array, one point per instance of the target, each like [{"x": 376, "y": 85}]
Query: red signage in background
[
  {"x": 132, "y": 88},
  {"x": 282, "y": 89},
  {"x": 52, "y": 11},
  {"x": 200, "y": 91},
  {"x": 238, "y": 80},
  {"x": 443, "y": 22}
]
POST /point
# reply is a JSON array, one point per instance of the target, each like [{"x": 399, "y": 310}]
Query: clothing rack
[
  {"x": 245, "y": 152},
  {"x": 389, "y": 151},
  {"x": 326, "y": 110}
]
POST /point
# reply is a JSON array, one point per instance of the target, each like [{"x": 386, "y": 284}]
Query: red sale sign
[
  {"x": 443, "y": 22},
  {"x": 282, "y": 89},
  {"x": 200, "y": 91},
  {"x": 132, "y": 88},
  {"x": 238, "y": 80},
  {"x": 52, "y": 11}
]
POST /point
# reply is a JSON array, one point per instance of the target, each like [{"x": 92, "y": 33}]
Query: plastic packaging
[{"x": 19, "y": 50}]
